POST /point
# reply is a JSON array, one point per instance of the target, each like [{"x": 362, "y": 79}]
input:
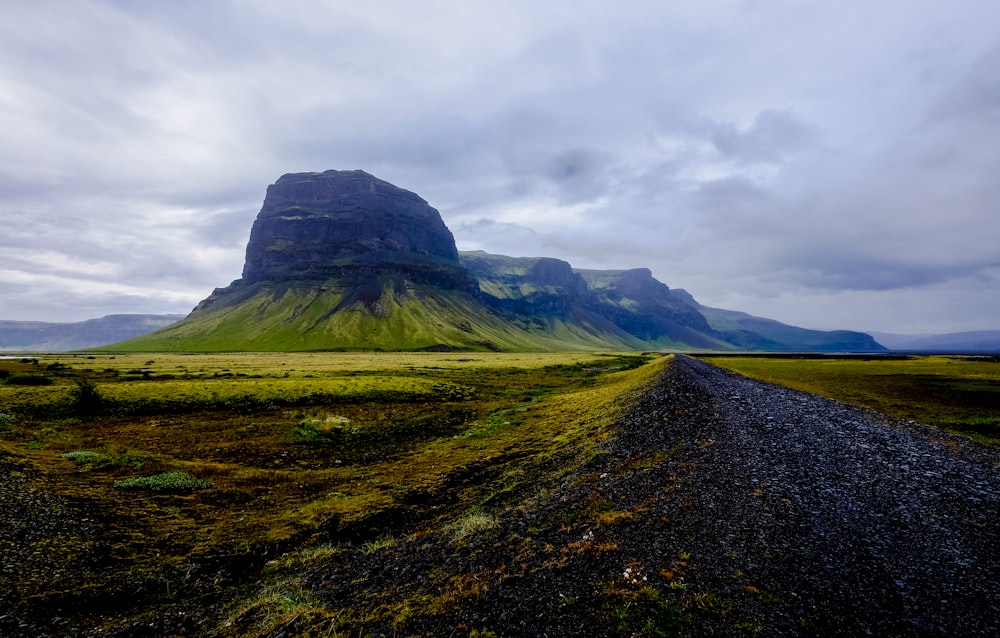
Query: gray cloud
[
  {"x": 796, "y": 160},
  {"x": 975, "y": 97},
  {"x": 771, "y": 138}
]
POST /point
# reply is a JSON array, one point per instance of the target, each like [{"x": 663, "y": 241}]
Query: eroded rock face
[
  {"x": 643, "y": 306},
  {"x": 314, "y": 225}
]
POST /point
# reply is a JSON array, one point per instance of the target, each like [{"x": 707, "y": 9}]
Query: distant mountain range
[
  {"x": 987, "y": 341},
  {"x": 41, "y": 336},
  {"x": 342, "y": 260}
]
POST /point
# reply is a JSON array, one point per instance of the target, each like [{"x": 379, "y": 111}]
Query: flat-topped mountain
[
  {"x": 342, "y": 260},
  {"x": 317, "y": 225}
]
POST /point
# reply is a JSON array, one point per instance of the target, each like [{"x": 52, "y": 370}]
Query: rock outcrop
[
  {"x": 647, "y": 308},
  {"x": 317, "y": 225},
  {"x": 525, "y": 285}
]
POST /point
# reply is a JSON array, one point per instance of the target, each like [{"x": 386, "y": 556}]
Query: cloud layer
[{"x": 827, "y": 165}]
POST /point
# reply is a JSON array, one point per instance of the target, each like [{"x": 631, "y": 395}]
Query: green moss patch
[{"x": 164, "y": 482}]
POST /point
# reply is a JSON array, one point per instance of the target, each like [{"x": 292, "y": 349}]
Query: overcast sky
[{"x": 827, "y": 164}]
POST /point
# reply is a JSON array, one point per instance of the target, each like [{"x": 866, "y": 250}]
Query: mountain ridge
[
  {"x": 984, "y": 341},
  {"x": 342, "y": 260},
  {"x": 47, "y": 336}
]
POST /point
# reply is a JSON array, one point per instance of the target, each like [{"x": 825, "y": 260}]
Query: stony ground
[
  {"x": 720, "y": 506},
  {"x": 856, "y": 523},
  {"x": 727, "y": 506},
  {"x": 861, "y": 524}
]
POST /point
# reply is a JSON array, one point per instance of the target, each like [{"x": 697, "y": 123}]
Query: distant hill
[
  {"x": 756, "y": 333},
  {"x": 987, "y": 341},
  {"x": 342, "y": 260},
  {"x": 40, "y": 336}
]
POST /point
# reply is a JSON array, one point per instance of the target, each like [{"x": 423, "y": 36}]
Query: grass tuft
[
  {"x": 102, "y": 461},
  {"x": 474, "y": 521},
  {"x": 281, "y": 609},
  {"x": 377, "y": 545}
]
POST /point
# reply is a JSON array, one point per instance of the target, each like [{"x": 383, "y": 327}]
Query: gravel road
[{"x": 857, "y": 523}]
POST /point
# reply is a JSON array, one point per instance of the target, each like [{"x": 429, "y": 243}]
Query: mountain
[
  {"x": 756, "y": 333},
  {"x": 349, "y": 224},
  {"x": 638, "y": 309},
  {"x": 40, "y": 336},
  {"x": 627, "y": 306},
  {"x": 987, "y": 341},
  {"x": 342, "y": 260}
]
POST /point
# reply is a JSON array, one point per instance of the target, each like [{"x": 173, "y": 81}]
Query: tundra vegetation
[
  {"x": 207, "y": 485},
  {"x": 204, "y": 470}
]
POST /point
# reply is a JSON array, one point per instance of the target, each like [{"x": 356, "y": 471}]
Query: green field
[
  {"x": 199, "y": 463},
  {"x": 957, "y": 394}
]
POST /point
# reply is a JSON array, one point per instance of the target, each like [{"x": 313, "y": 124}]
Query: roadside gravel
[{"x": 855, "y": 523}]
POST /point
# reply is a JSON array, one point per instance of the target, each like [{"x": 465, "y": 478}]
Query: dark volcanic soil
[{"x": 720, "y": 506}]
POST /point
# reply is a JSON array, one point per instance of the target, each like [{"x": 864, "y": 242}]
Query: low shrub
[
  {"x": 453, "y": 392},
  {"x": 28, "y": 379},
  {"x": 248, "y": 404},
  {"x": 85, "y": 399},
  {"x": 320, "y": 430},
  {"x": 164, "y": 482},
  {"x": 82, "y": 457}
]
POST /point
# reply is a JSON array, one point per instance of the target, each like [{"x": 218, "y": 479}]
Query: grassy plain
[
  {"x": 960, "y": 394},
  {"x": 257, "y": 458}
]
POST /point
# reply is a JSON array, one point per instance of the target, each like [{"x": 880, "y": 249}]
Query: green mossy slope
[{"x": 307, "y": 316}]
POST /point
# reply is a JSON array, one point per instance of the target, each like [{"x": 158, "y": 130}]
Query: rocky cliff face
[
  {"x": 525, "y": 285},
  {"x": 645, "y": 307},
  {"x": 335, "y": 223}
]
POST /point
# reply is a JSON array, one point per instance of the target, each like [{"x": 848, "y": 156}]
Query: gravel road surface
[{"x": 859, "y": 524}]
